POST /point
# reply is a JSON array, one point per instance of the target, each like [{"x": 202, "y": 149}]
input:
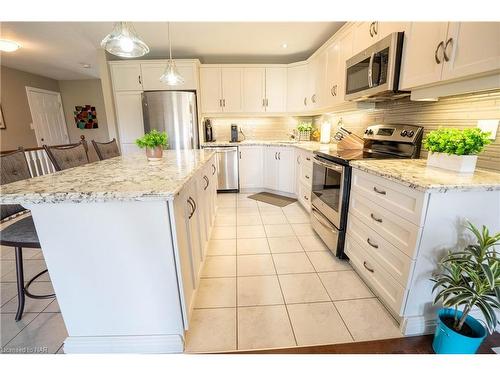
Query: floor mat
[{"x": 274, "y": 199}]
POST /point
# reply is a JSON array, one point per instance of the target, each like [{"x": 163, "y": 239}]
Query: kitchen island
[
  {"x": 403, "y": 218},
  {"x": 124, "y": 240}
]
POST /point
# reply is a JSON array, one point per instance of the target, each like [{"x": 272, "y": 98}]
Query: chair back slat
[{"x": 39, "y": 162}]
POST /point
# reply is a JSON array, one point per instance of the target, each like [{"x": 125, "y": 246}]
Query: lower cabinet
[
  {"x": 250, "y": 167},
  {"x": 279, "y": 169}
]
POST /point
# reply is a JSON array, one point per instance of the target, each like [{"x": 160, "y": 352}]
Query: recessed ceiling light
[
  {"x": 284, "y": 45},
  {"x": 86, "y": 66},
  {"x": 8, "y": 45}
]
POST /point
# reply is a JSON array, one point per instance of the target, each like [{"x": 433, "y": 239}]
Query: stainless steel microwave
[{"x": 373, "y": 74}]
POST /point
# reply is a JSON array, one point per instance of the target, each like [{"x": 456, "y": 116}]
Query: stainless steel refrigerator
[{"x": 173, "y": 112}]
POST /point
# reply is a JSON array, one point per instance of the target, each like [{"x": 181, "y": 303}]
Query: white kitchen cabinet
[
  {"x": 271, "y": 168},
  {"x": 194, "y": 208},
  {"x": 126, "y": 76},
  {"x": 364, "y": 35},
  {"x": 128, "y": 106},
  {"x": 337, "y": 54},
  {"x": 296, "y": 97},
  {"x": 151, "y": 73},
  {"x": 316, "y": 75},
  {"x": 423, "y": 58},
  {"x": 385, "y": 28},
  {"x": 231, "y": 89},
  {"x": 472, "y": 48},
  {"x": 250, "y": 167},
  {"x": 211, "y": 89},
  {"x": 286, "y": 170},
  {"x": 254, "y": 89},
  {"x": 276, "y": 89}
]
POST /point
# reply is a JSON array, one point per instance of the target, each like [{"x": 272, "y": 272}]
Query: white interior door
[{"x": 47, "y": 116}]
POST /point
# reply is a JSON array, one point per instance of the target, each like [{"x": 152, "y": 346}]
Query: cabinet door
[
  {"x": 312, "y": 72},
  {"x": 333, "y": 73},
  {"x": 250, "y": 167},
  {"x": 473, "y": 48},
  {"x": 126, "y": 77},
  {"x": 385, "y": 28},
  {"x": 286, "y": 169},
  {"x": 271, "y": 168},
  {"x": 231, "y": 89},
  {"x": 296, "y": 88},
  {"x": 364, "y": 36},
  {"x": 254, "y": 80},
  {"x": 203, "y": 208},
  {"x": 151, "y": 73},
  {"x": 194, "y": 229},
  {"x": 129, "y": 115},
  {"x": 419, "y": 66},
  {"x": 211, "y": 89},
  {"x": 275, "y": 89}
]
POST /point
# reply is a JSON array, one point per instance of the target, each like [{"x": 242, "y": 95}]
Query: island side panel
[
  {"x": 445, "y": 229},
  {"x": 113, "y": 270}
]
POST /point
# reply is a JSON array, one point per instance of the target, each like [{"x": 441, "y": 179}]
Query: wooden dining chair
[
  {"x": 70, "y": 156},
  {"x": 106, "y": 150},
  {"x": 21, "y": 233}
]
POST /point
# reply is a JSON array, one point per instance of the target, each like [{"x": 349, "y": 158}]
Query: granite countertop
[
  {"x": 415, "y": 174},
  {"x": 303, "y": 145},
  {"x": 124, "y": 178}
]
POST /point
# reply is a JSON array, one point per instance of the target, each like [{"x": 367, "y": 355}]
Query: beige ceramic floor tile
[
  {"x": 53, "y": 307},
  {"x": 292, "y": 263},
  {"x": 225, "y": 220},
  {"x": 222, "y": 247},
  {"x": 279, "y": 230},
  {"x": 10, "y": 328},
  {"x": 248, "y": 211},
  {"x": 367, "y": 319},
  {"x": 303, "y": 230},
  {"x": 223, "y": 233},
  {"x": 298, "y": 219},
  {"x": 302, "y": 288},
  {"x": 255, "y": 265},
  {"x": 324, "y": 261},
  {"x": 7, "y": 292},
  {"x": 252, "y": 246},
  {"x": 226, "y": 210},
  {"x": 343, "y": 285},
  {"x": 216, "y": 292},
  {"x": 274, "y": 218},
  {"x": 264, "y": 327},
  {"x": 285, "y": 245},
  {"x": 318, "y": 324},
  {"x": 245, "y": 219},
  {"x": 219, "y": 266},
  {"x": 223, "y": 203},
  {"x": 312, "y": 243},
  {"x": 212, "y": 330},
  {"x": 250, "y": 231},
  {"x": 269, "y": 209},
  {"x": 246, "y": 203},
  {"x": 32, "y": 305},
  {"x": 259, "y": 290}
]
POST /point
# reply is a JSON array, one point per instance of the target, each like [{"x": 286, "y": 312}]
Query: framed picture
[{"x": 2, "y": 122}]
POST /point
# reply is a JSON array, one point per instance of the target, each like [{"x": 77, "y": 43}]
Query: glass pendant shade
[
  {"x": 124, "y": 41},
  {"x": 171, "y": 76}
]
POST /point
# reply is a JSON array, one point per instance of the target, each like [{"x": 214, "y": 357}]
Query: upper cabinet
[
  {"x": 221, "y": 89},
  {"x": 296, "y": 97},
  {"x": 126, "y": 77},
  {"x": 254, "y": 89},
  {"x": 441, "y": 51},
  {"x": 316, "y": 75},
  {"x": 367, "y": 33},
  {"x": 276, "y": 89},
  {"x": 151, "y": 73},
  {"x": 337, "y": 54}
]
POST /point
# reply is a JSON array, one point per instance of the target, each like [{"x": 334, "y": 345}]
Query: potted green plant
[
  {"x": 304, "y": 129},
  {"x": 154, "y": 142},
  {"x": 468, "y": 279},
  {"x": 455, "y": 149}
]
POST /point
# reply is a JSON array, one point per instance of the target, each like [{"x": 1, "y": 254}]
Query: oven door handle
[
  {"x": 332, "y": 166},
  {"x": 318, "y": 216}
]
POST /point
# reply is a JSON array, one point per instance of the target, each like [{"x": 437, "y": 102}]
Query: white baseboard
[{"x": 124, "y": 344}]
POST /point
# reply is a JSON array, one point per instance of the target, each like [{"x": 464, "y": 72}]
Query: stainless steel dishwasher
[{"x": 227, "y": 168}]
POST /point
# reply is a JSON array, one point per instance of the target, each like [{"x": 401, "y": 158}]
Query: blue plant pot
[{"x": 447, "y": 341}]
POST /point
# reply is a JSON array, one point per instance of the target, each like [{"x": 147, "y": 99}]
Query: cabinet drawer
[
  {"x": 395, "y": 262},
  {"x": 306, "y": 174},
  {"x": 305, "y": 158},
  {"x": 383, "y": 284},
  {"x": 400, "y": 232},
  {"x": 304, "y": 196},
  {"x": 405, "y": 202}
]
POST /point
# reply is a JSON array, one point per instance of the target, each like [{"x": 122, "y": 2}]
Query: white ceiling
[{"x": 57, "y": 49}]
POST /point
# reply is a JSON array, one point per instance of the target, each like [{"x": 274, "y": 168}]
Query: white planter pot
[{"x": 457, "y": 163}]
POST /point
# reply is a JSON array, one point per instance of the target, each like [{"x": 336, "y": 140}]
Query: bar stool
[
  {"x": 64, "y": 157},
  {"x": 22, "y": 233},
  {"x": 106, "y": 150}
]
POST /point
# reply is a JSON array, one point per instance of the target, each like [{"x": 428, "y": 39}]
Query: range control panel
[{"x": 395, "y": 133}]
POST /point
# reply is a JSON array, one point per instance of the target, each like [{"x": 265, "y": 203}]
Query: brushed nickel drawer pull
[
  {"x": 371, "y": 243},
  {"x": 307, "y": 177},
  {"x": 383, "y": 192},
  {"x": 368, "y": 268},
  {"x": 440, "y": 45},
  {"x": 375, "y": 218}
]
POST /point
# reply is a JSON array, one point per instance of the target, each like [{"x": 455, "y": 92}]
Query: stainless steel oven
[
  {"x": 327, "y": 199},
  {"x": 373, "y": 74}
]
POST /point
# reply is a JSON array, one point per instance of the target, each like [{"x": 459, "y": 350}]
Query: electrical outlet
[{"x": 489, "y": 126}]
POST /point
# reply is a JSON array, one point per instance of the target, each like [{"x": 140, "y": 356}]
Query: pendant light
[
  {"x": 124, "y": 41},
  {"x": 171, "y": 75}
]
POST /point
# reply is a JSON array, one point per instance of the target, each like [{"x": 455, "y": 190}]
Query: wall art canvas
[
  {"x": 2, "y": 121},
  {"x": 85, "y": 117}
]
